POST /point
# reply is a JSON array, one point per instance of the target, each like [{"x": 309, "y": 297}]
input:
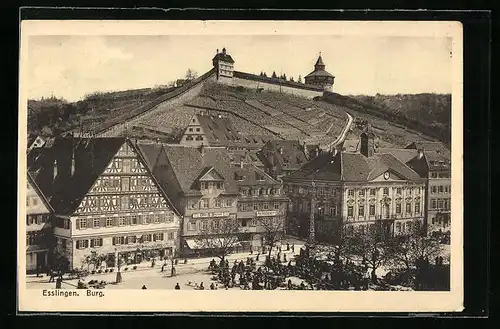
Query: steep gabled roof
[
  {"x": 224, "y": 58},
  {"x": 39, "y": 192},
  {"x": 91, "y": 158},
  {"x": 427, "y": 146},
  {"x": 189, "y": 163},
  {"x": 292, "y": 156}
]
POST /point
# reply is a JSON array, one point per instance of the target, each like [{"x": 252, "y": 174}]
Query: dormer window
[
  {"x": 220, "y": 185},
  {"x": 199, "y": 138},
  {"x": 189, "y": 138}
]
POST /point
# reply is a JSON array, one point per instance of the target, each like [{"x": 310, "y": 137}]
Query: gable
[
  {"x": 124, "y": 174},
  {"x": 34, "y": 202},
  {"x": 388, "y": 176},
  {"x": 211, "y": 175}
]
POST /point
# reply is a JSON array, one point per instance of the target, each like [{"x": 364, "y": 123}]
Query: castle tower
[
  {"x": 223, "y": 64},
  {"x": 319, "y": 76}
]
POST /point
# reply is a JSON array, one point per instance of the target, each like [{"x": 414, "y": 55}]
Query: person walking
[
  {"x": 201, "y": 286},
  {"x": 212, "y": 286},
  {"x": 177, "y": 287},
  {"x": 144, "y": 287},
  {"x": 58, "y": 283}
]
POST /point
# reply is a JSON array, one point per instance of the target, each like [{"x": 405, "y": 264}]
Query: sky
[{"x": 73, "y": 66}]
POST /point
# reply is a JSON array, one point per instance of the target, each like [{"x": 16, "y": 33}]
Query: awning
[{"x": 209, "y": 243}]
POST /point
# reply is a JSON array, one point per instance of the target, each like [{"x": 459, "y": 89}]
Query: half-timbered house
[{"x": 107, "y": 203}]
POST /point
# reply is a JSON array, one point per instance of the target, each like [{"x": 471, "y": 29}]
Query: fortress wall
[
  {"x": 270, "y": 87},
  {"x": 116, "y": 130}
]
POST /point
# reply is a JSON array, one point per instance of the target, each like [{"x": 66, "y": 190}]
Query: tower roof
[{"x": 320, "y": 61}]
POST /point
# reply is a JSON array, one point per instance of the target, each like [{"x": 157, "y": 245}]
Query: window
[
  {"x": 386, "y": 191},
  {"x": 446, "y": 189},
  {"x": 433, "y": 203},
  {"x": 361, "y": 210},
  {"x": 417, "y": 208},
  {"x": 109, "y": 222},
  {"x": 146, "y": 238},
  {"x": 204, "y": 203},
  {"x": 193, "y": 205},
  {"x": 434, "y": 175},
  {"x": 446, "y": 204},
  {"x": 203, "y": 225},
  {"x": 433, "y": 220},
  {"x": 372, "y": 191},
  {"x": 265, "y": 205},
  {"x": 417, "y": 191},
  {"x": 95, "y": 243},
  {"x": 229, "y": 203},
  {"x": 372, "y": 210},
  {"x": 218, "y": 203},
  {"x": 398, "y": 208},
  {"x": 276, "y": 206},
  {"x": 361, "y": 192},
  {"x": 433, "y": 189},
  {"x": 189, "y": 138},
  {"x": 135, "y": 220},
  {"x": 82, "y": 244},
  {"x": 398, "y": 191},
  {"x": 333, "y": 210},
  {"x": 350, "y": 192},
  {"x": 350, "y": 211},
  {"x": 440, "y": 203},
  {"x": 96, "y": 223},
  {"x": 190, "y": 129},
  {"x": 408, "y": 208},
  {"x": 83, "y": 224},
  {"x": 256, "y": 206},
  {"x": 158, "y": 237},
  {"x": 203, "y": 185},
  {"x": 157, "y": 218},
  {"x": 243, "y": 207},
  {"x": 220, "y": 185},
  {"x": 244, "y": 222},
  {"x": 398, "y": 227},
  {"x": 440, "y": 188},
  {"x": 191, "y": 226},
  {"x": 171, "y": 235},
  {"x": 408, "y": 192}
]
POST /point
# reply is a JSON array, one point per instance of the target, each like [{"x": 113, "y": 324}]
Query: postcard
[{"x": 240, "y": 166}]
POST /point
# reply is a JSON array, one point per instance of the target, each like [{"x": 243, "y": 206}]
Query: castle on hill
[{"x": 316, "y": 82}]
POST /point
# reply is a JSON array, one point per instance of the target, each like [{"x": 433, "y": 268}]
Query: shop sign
[
  {"x": 266, "y": 213},
  {"x": 211, "y": 214}
]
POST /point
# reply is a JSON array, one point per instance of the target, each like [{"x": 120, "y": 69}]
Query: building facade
[
  {"x": 262, "y": 205},
  {"x": 38, "y": 228},
  {"x": 223, "y": 64},
  {"x": 347, "y": 191},
  {"x": 108, "y": 204}
]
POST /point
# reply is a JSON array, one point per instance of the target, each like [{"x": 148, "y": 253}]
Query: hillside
[
  {"x": 429, "y": 114},
  {"x": 53, "y": 116}
]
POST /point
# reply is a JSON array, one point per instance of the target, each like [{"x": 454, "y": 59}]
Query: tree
[
  {"x": 284, "y": 76},
  {"x": 291, "y": 79},
  {"x": 221, "y": 236},
  {"x": 299, "y": 80},
  {"x": 265, "y": 74},
  {"x": 274, "y": 229},
  {"x": 274, "y": 75},
  {"x": 407, "y": 251},
  {"x": 371, "y": 247},
  {"x": 191, "y": 74},
  {"x": 59, "y": 263}
]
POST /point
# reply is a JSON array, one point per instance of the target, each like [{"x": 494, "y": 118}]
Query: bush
[
  {"x": 99, "y": 271},
  {"x": 93, "y": 272},
  {"x": 106, "y": 270},
  {"x": 111, "y": 270},
  {"x": 135, "y": 267},
  {"x": 125, "y": 269}
]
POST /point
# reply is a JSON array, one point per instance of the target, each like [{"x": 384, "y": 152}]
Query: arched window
[
  {"x": 199, "y": 138},
  {"x": 189, "y": 138}
]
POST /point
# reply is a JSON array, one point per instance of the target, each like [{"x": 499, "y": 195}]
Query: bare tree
[
  {"x": 221, "y": 236},
  {"x": 407, "y": 250},
  {"x": 299, "y": 80},
  {"x": 191, "y": 74},
  {"x": 273, "y": 231},
  {"x": 369, "y": 246}
]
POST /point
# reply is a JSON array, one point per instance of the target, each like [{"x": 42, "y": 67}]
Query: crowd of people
[{"x": 277, "y": 272}]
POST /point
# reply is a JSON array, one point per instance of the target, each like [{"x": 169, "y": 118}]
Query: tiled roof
[
  {"x": 430, "y": 146},
  {"x": 39, "y": 192},
  {"x": 251, "y": 175},
  {"x": 403, "y": 155},
  {"x": 320, "y": 61},
  {"x": 292, "y": 156},
  {"x": 319, "y": 73},
  {"x": 352, "y": 167},
  {"x": 91, "y": 158},
  {"x": 188, "y": 163},
  {"x": 223, "y": 57}
]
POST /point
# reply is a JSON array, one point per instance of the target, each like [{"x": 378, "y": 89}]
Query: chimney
[
  {"x": 304, "y": 145},
  {"x": 367, "y": 147},
  {"x": 217, "y": 50},
  {"x": 224, "y": 51},
  {"x": 420, "y": 153},
  {"x": 241, "y": 163},
  {"x": 281, "y": 149}
]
